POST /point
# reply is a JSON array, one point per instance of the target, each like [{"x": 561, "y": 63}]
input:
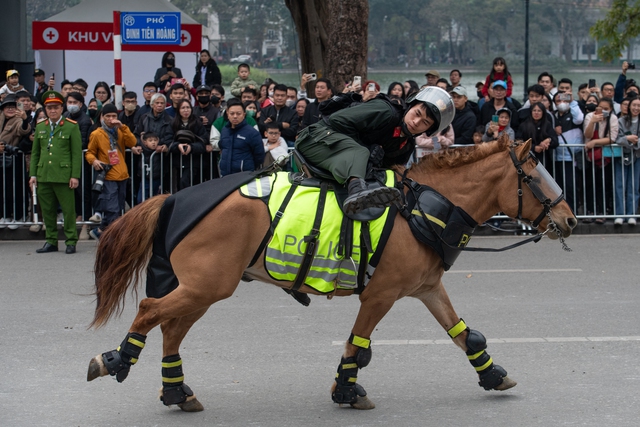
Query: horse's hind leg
[
  {"x": 174, "y": 391},
  {"x": 472, "y": 342},
  {"x": 183, "y": 301},
  {"x": 374, "y": 306}
]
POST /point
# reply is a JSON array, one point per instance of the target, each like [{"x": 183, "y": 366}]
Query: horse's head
[{"x": 539, "y": 200}]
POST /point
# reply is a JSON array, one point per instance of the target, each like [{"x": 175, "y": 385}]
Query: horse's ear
[{"x": 522, "y": 150}]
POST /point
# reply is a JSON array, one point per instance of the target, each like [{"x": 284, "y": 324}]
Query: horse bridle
[
  {"x": 538, "y": 192},
  {"x": 546, "y": 201}
]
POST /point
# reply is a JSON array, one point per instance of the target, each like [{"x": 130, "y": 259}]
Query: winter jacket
[
  {"x": 212, "y": 75},
  {"x": 99, "y": 146},
  {"x": 241, "y": 149},
  {"x": 160, "y": 125},
  {"x": 464, "y": 124},
  {"x": 497, "y": 76},
  {"x": 161, "y": 72},
  {"x": 238, "y": 84},
  {"x": 283, "y": 115}
]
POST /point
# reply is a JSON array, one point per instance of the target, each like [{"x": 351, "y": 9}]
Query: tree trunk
[{"x": 333, "y": 37}]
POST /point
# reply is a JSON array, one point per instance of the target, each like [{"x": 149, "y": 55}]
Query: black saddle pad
[{"x": 186, "y": 208}]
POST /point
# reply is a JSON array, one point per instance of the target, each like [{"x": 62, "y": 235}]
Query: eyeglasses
[{"x": 149, "y": 91}]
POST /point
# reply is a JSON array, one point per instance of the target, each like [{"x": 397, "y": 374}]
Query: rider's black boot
[{"x": 361, "y": 197}]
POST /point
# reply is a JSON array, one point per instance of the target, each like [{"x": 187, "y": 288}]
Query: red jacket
[{"x": 497, "y": 76}]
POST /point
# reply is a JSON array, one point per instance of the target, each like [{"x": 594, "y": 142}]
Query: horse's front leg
[
  {"x": 374, "y": 306},
  {"x": 472, "y": 342}
]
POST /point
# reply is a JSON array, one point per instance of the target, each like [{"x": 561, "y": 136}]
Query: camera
[
  {"x": 632, "y": 66},
  {"x": 313, "y": 76},
  {"x": 98, "y": 184}
]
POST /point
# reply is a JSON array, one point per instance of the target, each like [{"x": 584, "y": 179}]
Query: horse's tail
[{"x": 123, "y": 252}]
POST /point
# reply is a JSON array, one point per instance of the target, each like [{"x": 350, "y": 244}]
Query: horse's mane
[{"x": 447, "y": 159}]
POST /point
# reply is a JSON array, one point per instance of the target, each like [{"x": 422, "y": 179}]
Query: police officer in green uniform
[
  {"x": 56, "y": 161},
  {"x": 341, "y": 143}
]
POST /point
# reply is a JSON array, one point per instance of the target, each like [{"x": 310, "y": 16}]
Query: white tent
[{"x": 76, "y": 24}]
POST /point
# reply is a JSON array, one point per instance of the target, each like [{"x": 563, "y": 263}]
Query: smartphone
[
  {"x": 495, "y": 118},
  {"x": 20, "y": 106},
  {"x": 371, "y": 87},
  {"x": 313, "y": 76},
  {"x": 53, "y": 75},
  {"x": 592, "y": 82},
  {"x": 564, "y": 97},
  {"x": 598, "y": 110},
  {"x": 178, "y": 80},
  {"x": 357, "y": 80}
]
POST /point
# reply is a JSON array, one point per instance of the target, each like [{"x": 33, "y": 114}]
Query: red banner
[{"x": 99, "y": 36}]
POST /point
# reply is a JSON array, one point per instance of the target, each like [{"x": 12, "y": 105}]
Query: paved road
[{"x": 563, "y": 324}]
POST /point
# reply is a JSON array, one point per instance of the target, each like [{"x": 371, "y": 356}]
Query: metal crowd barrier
[{"x": 589, "y": 189}]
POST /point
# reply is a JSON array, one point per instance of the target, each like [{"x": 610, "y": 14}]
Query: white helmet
[{"x": 439, "y": 104}]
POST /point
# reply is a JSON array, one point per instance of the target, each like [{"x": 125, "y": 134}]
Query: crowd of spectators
[{"x": 178, "y": 133}]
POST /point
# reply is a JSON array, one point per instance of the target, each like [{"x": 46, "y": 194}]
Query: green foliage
[
  {"x": 230, "y": 72},
  {"x": 617, "y": 29},
  {"x": 38, "y": 10}
]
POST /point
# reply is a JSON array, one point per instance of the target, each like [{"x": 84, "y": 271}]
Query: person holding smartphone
[{"x": 370, "y": 89}]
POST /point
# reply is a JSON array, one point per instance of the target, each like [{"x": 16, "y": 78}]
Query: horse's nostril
[{"x": 572, "y": 222}]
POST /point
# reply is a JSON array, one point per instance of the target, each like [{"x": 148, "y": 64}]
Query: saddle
[{"x": 315, "y": 176}]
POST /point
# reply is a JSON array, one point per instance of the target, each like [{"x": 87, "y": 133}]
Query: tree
[
  {"x": 333, "y": 37},
  {"x": 617, "y": 29}
]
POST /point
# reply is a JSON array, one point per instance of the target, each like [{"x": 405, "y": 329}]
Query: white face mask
[
  {"x": 72, "y": 109},
  {"x": 270, "y": 94},
  {"x": 563, "y": 107},
  {"x": 290, "y": 102}
]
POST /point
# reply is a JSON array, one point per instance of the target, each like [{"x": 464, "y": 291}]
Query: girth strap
[{"x": 311, "y": 240}]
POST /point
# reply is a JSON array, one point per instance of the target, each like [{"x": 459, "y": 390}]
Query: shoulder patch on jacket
[{"x": 71, "y": 121}]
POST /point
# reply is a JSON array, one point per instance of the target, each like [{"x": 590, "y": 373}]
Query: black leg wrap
[
  {"x": 174, "y": 390},
  {"x": 491, "y": 375},
  {"x": 119, "y": 361},
  {"x": 347, "y": 390},
  {"x": 176, "y": 394}
]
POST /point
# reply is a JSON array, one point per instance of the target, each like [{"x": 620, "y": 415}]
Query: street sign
[{"x": 149, "y": 28}]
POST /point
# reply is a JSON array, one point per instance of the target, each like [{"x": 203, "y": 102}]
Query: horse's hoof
[
  {"x": 363, "y": 402},
  {"x": 191, "y": 405},
  {"x": 96, "y": 368},
  {"x": 507, "y": 383}
]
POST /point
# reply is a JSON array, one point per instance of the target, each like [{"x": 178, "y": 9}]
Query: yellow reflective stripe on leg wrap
[
  {"x": 350, "y": 379},
  {"x": 136, "y": 342},
  {"x": 349, "y": 365},
  {"x": 457, "y": 329},
  {"x": 485, "y": 366},
  {"x": 173, "y": 380},
  {"x": 171, "y": 364},
  {"x": 359, "y": 341},
  {"x": 475, "y": 356}
]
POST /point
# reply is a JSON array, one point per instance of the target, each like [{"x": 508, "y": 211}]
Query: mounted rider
[{"x": 382, "y": 129}]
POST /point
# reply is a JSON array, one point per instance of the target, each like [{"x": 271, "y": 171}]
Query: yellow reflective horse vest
[{"x": 329, "y": 269}]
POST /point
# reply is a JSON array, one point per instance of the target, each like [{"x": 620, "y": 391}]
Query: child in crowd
[
  {"x": 275, "y": 146},
  {"x": 13, "y": 83},
  {"x": 500, "y": 71},
  {"x": 242, "y": 81},
  {"x": 477, "y": 135},
  {"x": 150, "y": 178},
  {"x": 494, "y": 129}
]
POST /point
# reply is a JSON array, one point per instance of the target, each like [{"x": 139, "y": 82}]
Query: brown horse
[{"x": 211, "y": 260}]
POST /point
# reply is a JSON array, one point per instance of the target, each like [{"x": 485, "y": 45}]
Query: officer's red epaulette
[{"x": 43, "y": 121}]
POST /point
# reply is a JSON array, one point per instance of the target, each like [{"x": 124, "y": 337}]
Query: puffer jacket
[{"x": 241, "y": 149}]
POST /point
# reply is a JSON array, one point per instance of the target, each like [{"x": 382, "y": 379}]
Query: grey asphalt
[{"x": 563, "y": 324}]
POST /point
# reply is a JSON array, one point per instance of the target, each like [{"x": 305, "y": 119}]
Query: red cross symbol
[
  {"x": 183, "y": 37},
  {"x": 50, "y": 34}
]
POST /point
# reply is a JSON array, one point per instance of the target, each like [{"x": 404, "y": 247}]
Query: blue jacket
[{"x": 241, "y": 149}]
